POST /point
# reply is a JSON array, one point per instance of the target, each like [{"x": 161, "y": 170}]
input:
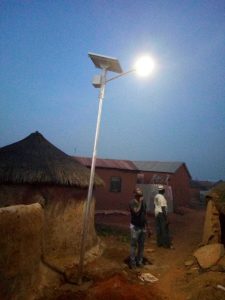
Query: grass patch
[{"x": 107, "y": 231}]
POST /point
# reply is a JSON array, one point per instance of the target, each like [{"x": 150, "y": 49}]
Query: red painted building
[
  {"x": 120, "y": 178},
  {"x": 173, "y": 174}
]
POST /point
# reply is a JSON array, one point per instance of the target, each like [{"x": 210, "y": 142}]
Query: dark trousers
[{"x": 162, "y": 231}]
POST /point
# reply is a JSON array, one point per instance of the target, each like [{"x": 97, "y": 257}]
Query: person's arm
[
  {"x": 165, "y": 214},
  {"x": 164, "y": 211},
  {"x": 136, "y": 205},
  {"x": 164, "y": 207}
]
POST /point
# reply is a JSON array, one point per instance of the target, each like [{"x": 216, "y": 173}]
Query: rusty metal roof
[
  {"x": 108, "y": 163},
  {"x": 159, "y": 166}
]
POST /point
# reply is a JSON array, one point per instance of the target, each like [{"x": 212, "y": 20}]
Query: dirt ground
[{"x": 179, "y": 276}]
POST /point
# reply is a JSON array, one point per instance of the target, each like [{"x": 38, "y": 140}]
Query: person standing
[
  {"x": 138, "y": 226},
  {"x": 161, "y": 218}
]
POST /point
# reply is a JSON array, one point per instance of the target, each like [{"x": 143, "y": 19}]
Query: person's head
[
  {"x": 161, "y": 189},
  {"x": 138, "y": 192}
]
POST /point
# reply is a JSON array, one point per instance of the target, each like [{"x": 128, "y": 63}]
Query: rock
[
  {"x": 221, "y": 263},
  {"x": 214, "y": 268},
  {"x": 193, "y": 271},
  {"x": 188, "y": 263},
  {"x": 217, "y": 268},
  {"x": 208, "y": 255}
]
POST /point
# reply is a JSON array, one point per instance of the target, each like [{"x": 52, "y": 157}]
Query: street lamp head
[{"x": 144, "y": 66}]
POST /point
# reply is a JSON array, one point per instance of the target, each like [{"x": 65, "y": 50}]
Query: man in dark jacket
[{"x": 137, "y": 228}]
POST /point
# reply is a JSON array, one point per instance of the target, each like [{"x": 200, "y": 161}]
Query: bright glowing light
[{"x": 144, "y": 66}]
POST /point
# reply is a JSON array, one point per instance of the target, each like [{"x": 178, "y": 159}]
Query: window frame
[{"x": 115, "y": 184}]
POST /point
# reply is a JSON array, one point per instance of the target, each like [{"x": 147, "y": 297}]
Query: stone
[
  {"x": 221, "y": 263},
  {"x": 209, "y": 255},
  {"x": 193, "y": 271},
  {"x": 214, "y": 268},
  {"x": 188, "y": 263}
]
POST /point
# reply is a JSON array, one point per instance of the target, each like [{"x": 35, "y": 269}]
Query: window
[{"x": 115, "y": 184}]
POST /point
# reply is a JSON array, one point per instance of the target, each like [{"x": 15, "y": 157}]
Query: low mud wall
[
  {"x": 40, "y": 232},
  {"x": 21, "y": 230},
  {"x": 64, "y": 222},
  {"x": 39, "y": 238}
]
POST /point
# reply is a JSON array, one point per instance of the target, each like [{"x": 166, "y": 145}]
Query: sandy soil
[{"x": 109, "y": 277}]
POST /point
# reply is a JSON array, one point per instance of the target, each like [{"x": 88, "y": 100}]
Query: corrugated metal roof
[
  {"x": 108, "y": 163},
  {"x": 158, "y": 166}
]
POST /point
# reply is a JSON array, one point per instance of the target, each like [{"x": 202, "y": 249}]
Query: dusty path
[
  {"x": 110, "y": 277},
  {"x": 169, "y": 264}
]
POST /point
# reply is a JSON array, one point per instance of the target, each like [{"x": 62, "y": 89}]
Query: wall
[
  {"x": 64, "y": 223},
  {"x": 49, "y": 232},
  {"x": 150, "y": 190},
  {"x": 63, "y": 218},
  {"x": 212, "y": 228},
  {"x": 21, "y": 229},
  {"x": 179, "y": 182},
  {"x": 194, "y": 197},
  {"x": 106, "y": 200}
]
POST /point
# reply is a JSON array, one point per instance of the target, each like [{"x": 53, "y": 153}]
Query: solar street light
[{"x": 105, "y": 63}]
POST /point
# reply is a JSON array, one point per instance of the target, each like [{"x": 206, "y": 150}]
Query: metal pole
[
  {"x": 91, "y": 181},
  {"x": 120, "y": 75}
]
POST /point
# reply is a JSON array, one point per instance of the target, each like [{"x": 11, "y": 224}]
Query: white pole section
[{"x": 91, "y": 182}]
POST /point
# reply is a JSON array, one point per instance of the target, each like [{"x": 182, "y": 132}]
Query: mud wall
[
  {"x": 63, "y": 212},
  {"x": 34, "y": 233},
  {"x": 21, "y": 229},
  {"x": 64, "y": 222},
  {"x": 212, "y": 228}
]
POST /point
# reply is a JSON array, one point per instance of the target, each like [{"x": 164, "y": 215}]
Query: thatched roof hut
[
  {"x": 35, "y": 160},
  {"x": 33, "y": 170}
]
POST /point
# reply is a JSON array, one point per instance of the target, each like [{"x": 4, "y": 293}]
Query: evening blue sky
[{"x": 176, "y": 114}]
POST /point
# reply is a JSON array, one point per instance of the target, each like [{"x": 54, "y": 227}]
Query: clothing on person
[
  {"x": 162, "y": 228},
  {"x": 160, "y": 202},
  {"x": 138, "y": 224}
]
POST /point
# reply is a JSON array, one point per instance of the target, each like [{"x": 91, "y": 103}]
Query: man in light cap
[
  {"x": 162, "y": 229},
  {"x": 137, "y": 228}
]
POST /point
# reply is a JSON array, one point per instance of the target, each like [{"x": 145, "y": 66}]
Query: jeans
[{"x": 137, "y": 245}]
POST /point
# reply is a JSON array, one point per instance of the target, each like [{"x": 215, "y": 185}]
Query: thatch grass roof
[{"x": 35, "y": 160}]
